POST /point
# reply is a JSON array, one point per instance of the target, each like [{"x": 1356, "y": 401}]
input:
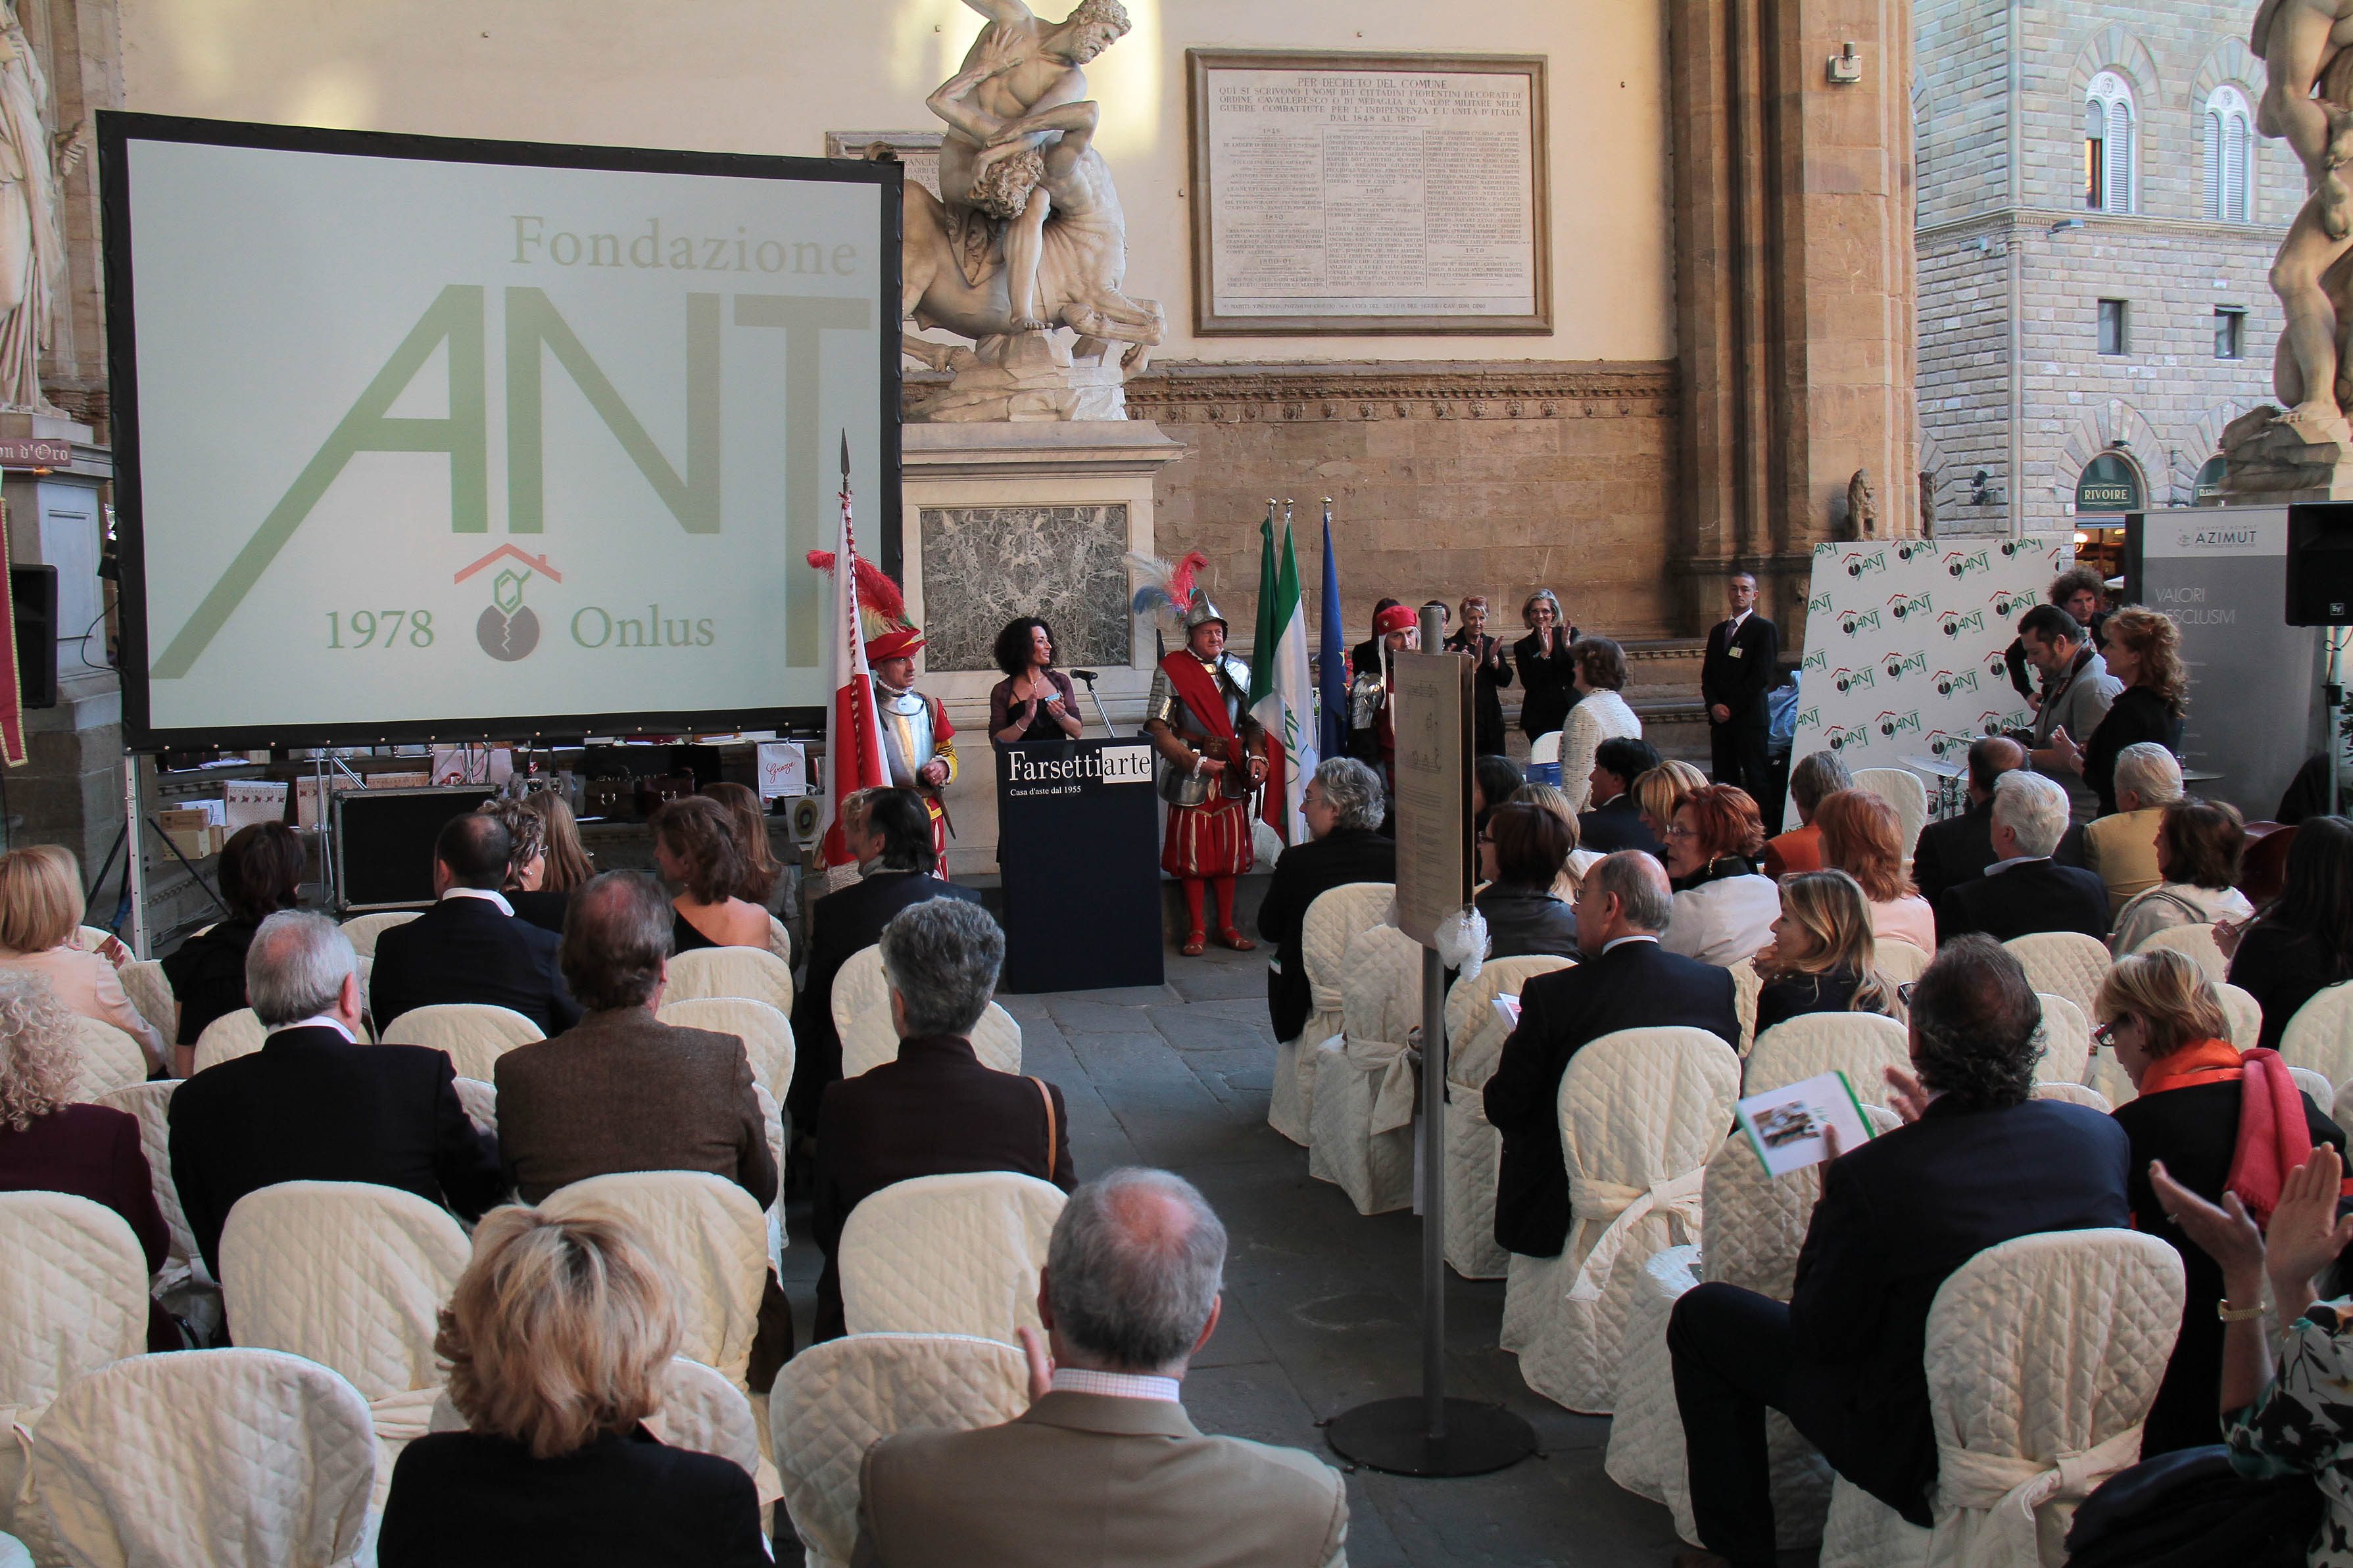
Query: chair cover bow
[
  {"x": 1675, "y": 1198},
  {"x": 1393, "y": 1060},
  {"x": 2008, "y": 1490}
]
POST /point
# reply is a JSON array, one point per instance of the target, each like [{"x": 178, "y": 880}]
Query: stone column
[{"x": 1795, "y": 295}]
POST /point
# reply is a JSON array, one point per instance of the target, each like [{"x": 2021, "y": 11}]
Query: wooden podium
[{"x": 1078, "y": 847}]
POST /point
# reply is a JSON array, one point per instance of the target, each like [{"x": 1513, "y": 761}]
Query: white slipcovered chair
[
  {"x": 1545, "y": 748},
  {"x": 2323, "y": 1092},
  {"x": 1899, "y": 961},
  {"x": 752, "y": 972},
  {"x": 228, "y": 1036},
  {"x": 481, "y": 1101},
  {"x": 1475, "y": 1033},
  {"x": 1582, "y": 734},
  {"x": 780, "y": 941},
  {"x": 105, "y": 1058},
  {"x": 12, "y": 1553},
  {"x": 2244, "y": 1014},
  {"x": 351, "y": 1276},
  {"x": 181, "y": 1281},
  {"x": 711, "y": 1237},
  {"x": 1748, "y": 985},
  {"x": 767, "y": 1034},
  {"x": 2063, "y": 963},
  {"x": 2074, "y": 1094},
  {"x": 2043, "y": 1356},
  {"x": 73, "y": 1296},
  {"x": 472, "y": 1035},
  {"x": 94, "y": 939},
  {"x": 859, "y": 986},
  {"x": 2066, "y": 1036},
  {"x": 1332, "y": 922},
  {"x": 1751, "y": 1228},
  {"x": 2320, "y": 1036},
  {"x": 1902, "y": 789},
  {"x": 2343, "y": 1105},
  {"x": 872, "y": 1039},
  {"x": 1861, "y": 1045},
  {"x": 2196, "y": 944},
  {"x": 834, "y": 1400},
  {"x": 363, "y": 930},
  {"x": 1361, "y": 1113},
  {"x": 948, "y": 1255},
  {"x": 1641, "y": 1112},
  {"x": 143, "y": 982},
  {"x": 249, "y": 1457}
]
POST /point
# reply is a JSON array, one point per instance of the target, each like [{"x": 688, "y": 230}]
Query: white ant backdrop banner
[{"x": 1905, "y": 641}]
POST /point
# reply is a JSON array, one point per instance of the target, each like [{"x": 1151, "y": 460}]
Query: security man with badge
[
  {"x": 1214, "y": 756},
  {"x": 1734, "y": 678}
]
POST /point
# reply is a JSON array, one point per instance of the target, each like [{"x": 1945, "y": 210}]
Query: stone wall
[{"x": 1445, "y": 479}]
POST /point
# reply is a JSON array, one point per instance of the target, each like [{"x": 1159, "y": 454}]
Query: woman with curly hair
[
  {"x": 760, "y": 868},
  {"x": 1035, "y": 702},
  {"x": 525, "y": 889},
  {"x": 2143, "y": 649},
  {"x": 49, "y": 1145},
  {"x": 695, "y": 848},
  {"x": 1724, "y": 910},
  {"x": 558, "y": 1337}
]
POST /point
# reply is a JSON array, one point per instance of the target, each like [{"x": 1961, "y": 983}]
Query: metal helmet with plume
[
  {"x": 882, "y": 610},
  {"x": 1171, "y": 594}
]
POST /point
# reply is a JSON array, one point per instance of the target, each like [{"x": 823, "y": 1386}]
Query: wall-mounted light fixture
[
  {"x": 2066, "y": 222},
  {"x": 1846, "y": 69}
]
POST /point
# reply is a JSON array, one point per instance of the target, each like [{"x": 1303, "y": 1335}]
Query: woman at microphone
[{"x": 1035, "y": 702}]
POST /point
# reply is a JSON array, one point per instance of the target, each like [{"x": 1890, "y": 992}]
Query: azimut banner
[
  {"x": 1904, "y": 646},
  {"x": 437, "y": 436}
]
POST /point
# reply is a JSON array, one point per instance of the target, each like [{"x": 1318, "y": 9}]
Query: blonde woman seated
[
  {"x": 40, "y": 907},
  {"x": 2198, "y": 847},
  {"x": 1861, "y": 837},
  {"x": 1555, "y": 799},
  {"x": 569, "y": 863},
  {"x": 1661, "y": 792},
  {"x": 557, "y": 1340},
  {"x": 1822, "y": 958},
  {"x": 695, "y": 846},
  {"x": 1724, "y": 910}
]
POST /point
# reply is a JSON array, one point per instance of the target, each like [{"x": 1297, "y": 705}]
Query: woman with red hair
[
  {"x": 1724, "y": 911},
  {"x": 1862, "y": 838}
]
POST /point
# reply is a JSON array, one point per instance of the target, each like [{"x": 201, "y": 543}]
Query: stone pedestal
[
  {"x": 1004, "y": 520},
  {"x": 2269, "y": 462}
]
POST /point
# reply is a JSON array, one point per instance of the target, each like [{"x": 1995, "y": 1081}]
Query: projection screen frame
[{"x": 879, "y": 516}]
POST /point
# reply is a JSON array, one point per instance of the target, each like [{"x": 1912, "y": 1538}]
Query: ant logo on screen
[
  {"x": 509, "y": 629},
  {"x": 1950, "y": 681},
  {"x": 2008, "y": 602},
  {"x": 1849, "y": 679},
  {"x": 1902, "y": 605},
  {"x": 1893, "y": 724},
  {"x": 1960, "y": 565},
  {"x": 1898, "y": 663}
]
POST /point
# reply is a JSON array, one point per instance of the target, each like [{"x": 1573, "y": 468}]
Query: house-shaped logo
[{"x": 508, "y": 629}]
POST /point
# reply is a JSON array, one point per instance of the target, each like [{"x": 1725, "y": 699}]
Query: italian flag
[{"x": 1282, "y": 691}]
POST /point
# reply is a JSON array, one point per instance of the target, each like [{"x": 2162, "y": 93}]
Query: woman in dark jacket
[
  {"x": 558, "y": 1337},
  {"x": 1521, "y": 852},
  {"x": 2162, "y": 1017},
  {"x": 1547, "y": 672},
  {"x": 1490, "y": 672},
  {"x": 2143, "y": 649},
  {"x": 1035, "y": 702},
  {"x": 2303, "y": 940},
  {"x": 1822, "y": 958},
  {"x": 259, "y": 868}
]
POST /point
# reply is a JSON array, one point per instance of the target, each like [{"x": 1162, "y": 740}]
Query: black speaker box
[
  {"x": 2320, "y": 563},
  {"x": 384, "y": 842},
  {"x": 33, "y": 597}
]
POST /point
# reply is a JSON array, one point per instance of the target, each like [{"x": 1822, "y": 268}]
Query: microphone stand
[{"x": 1089, "y": 676}]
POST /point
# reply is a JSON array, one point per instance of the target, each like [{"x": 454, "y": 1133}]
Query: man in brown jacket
[
  {"x": 1105, "y": 1468},
  {"x": 621, "y": 1090}
]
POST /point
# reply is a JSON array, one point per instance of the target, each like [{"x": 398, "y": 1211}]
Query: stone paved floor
[{"x": 1323, "y": 1306}]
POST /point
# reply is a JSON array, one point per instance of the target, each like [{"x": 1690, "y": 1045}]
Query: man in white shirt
[
  {"x": 1105, "y": 1469},
  {"x": 470, "y": 947}
]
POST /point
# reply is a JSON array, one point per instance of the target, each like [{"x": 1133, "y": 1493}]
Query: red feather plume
[
  {"x": 876, "y": 593},
  {"x": 1180, "y": 582}
]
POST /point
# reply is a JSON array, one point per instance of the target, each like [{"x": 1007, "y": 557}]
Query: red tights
[{"x": 1225, "y": 889}]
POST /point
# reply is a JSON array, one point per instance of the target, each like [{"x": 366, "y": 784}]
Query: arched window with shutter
[
  {"x": 2228, "y": 131},
  {"x": 2108, "y": 138}
]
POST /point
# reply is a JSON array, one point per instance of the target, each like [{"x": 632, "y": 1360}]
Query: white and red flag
[{"x": 853, "y": 735}]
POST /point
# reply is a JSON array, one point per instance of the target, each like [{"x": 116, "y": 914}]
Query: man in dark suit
[
  {"x": 1978, "y": 1162},
  {"x": 470, "y": 947},
  {"x": 2025, "y": 890},
  {"x": 1959, "y": 848},
  {"x": 1625, "y": 981},
  {"x": 935, "y": 1111},
  {"x": 1734, "y": 677},
  {"x": 621, "y": 1090},
  {"x": 1342, "y": 807},
  {"x": 891, "y": 834},
  {"x": 314, "y": 1105},
  {"x": 1615, "y": 819}
]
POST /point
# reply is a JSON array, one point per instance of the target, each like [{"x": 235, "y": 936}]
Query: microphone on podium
[{"x": 1090, "y": 677}]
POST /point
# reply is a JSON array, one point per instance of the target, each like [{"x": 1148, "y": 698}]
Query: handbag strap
[{"x": 1052, "y": 1140}]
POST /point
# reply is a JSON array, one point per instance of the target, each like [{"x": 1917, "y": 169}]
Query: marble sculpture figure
[
  {"x": 2307, "y": 47},
  {"x": 32, "y": 242}
]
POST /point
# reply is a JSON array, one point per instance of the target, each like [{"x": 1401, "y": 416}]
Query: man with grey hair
[
  {"x": 1818, "y": 775},
  {"x": 1627, "y": 981},
  {"x": 2024, "y": 890},
  {"x": 1342, "y": 808},
  {"x": 313, "y": 1104},
  {"x": 2121, "y": 848},
  {"x": 937, "y": 1110},
  {"x": 1105, "y": 1466}
]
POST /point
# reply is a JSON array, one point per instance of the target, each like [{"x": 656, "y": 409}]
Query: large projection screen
[{"x": 423, "y": 439}]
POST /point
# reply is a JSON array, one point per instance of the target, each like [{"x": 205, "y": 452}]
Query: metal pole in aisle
[{"x": 134, "y": 845}]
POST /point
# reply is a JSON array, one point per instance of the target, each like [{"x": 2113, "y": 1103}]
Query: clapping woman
[{"x": 1035, "y": 702}]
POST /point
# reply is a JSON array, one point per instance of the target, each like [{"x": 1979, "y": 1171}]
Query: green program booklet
[{"x": 1785, "y": 1124}]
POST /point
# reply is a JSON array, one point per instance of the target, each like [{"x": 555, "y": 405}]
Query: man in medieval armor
[
  {"x": 1213, "y": 755},
  {"x": 918, "y": 742}
]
